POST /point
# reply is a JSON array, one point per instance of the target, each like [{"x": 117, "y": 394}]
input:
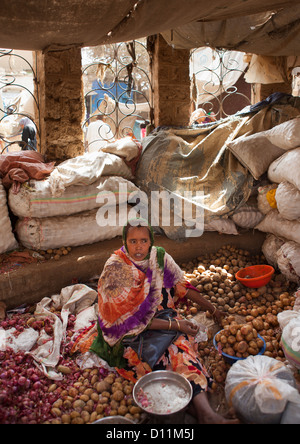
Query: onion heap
[{"x": 27, "y": 396}]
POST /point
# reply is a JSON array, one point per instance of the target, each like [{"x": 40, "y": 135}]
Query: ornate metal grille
[
  {"x": 118, "y": 92},
  {"x": 18, "y": 98},
  {"x": 217, "y": 85}
]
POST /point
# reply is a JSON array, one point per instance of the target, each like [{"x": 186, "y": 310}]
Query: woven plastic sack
[
  {"x": 255, "y": 152},
  {"x": 75, "y": 230},
  {"x": 86, "y": 169},
  {"x": 270, "y": 248},
  {"x": 288, "y": 260},
  {"x": 286, "y": 168},
  {"x": 259, "y": 389},
  {"x": 223, "y": 226},
  {"x": 286, "y": 135},
  {"x": 7, "y": 239},
  {"x": 36, "y": 200},
  {"x": 288, "y": 201},
  {"x": 248, "y": 216},
  {"x": 275, "y": 224}
]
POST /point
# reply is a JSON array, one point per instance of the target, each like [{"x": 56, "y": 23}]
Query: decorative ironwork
[
  {"x": 11, "y": 111},
  {"x": 118, "y": 93},
  {"x": 214, "y": 84}
]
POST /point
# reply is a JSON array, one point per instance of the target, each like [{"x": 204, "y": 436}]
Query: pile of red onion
[{"x": 26, "y": 394}]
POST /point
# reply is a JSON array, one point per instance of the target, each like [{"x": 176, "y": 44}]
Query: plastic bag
[
  {"x": 259, "y": 389},
  {"x": 291, "y": 414}
]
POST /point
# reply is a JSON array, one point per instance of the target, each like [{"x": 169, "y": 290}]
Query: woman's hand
[
  {"x": 219, "y": 316},
  {"x": 187, "y": 327}
]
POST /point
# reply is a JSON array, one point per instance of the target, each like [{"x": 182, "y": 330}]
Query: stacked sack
[
  {"x": 280, "y": 202},
  {"x": 7, "y": 239},
  {"x": 256, "y": 152},
  {"x": 73, "y": 205}
]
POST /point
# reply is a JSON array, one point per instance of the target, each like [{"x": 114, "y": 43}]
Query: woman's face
[{"x": 138, "y": 242}]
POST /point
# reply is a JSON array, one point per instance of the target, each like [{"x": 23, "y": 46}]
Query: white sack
[
  {"x": 73, "y": 300},
  {"x": 7, "y": 239},
  {"x": 270, "y": 248},
  {"x": 35, "y": 199},
  {"x": 286, "y": 168},
  {"x": 288, "y": 260},
  {"x": 71, "y": 231},
  {"x": 86, "y": 169},
  {"x": 255, "y": 152},
  {"x": 125, "y": 148},
  {"x": 259, "y": 389},
  {"x": 275, "y": 224},
  {"x": 288, "y": 201},
  {"x": 22, "y": 342},
  {"x": 223, "y": 226},
  {"x": 286, "y": 135}
]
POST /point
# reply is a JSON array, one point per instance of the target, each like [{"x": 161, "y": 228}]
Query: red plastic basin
[{"x": 256, "y": 276}]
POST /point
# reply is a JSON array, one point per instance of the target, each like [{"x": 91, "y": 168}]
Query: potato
[
  {"x": 122, "y": 410},
  {"x": 85, "y": 416},
  {"x": 116, "y": 386},
  {"x": 231, "y": 340},
  {"x": 242, "y": 347},
  {"x": 118, "y": 395},
  {"x": 102, "y": 386},
  {"x": 66, "y": 419}
]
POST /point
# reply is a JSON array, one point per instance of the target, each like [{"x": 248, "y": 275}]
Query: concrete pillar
[
  {"x": 61, "y": 103},
  {"x": 171, "y": 84}
]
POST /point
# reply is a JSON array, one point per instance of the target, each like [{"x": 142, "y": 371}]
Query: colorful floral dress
[{"x": 129, "y": 296}]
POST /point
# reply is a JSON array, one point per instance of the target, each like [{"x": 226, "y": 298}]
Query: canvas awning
[
  {"x": 37, "y": 25},
  {"x": 273, "y": 33}
]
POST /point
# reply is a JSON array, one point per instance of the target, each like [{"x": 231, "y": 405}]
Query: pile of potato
[
  {"x": 55, "y": 253},
  {"x": 250, "y": 311},
  {"x": 239, "y": 341},
  {"x": 91, "y": 398}
]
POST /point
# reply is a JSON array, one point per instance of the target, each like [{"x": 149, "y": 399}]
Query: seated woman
[{"x": 137, "y": 283}]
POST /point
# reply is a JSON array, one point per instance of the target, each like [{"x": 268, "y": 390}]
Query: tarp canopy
[
  {"x": 196, "y": 166},
  {"x": 271, "y": 33},
  {"x": 39, "y": 24}
]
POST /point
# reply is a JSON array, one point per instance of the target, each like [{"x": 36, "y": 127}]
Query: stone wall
[
  {"x": 171, "y": 84},
  {"x": 61, "y": 103}
]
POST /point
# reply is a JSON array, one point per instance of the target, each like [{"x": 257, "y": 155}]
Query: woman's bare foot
[{"x": 201, "y": 409}]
